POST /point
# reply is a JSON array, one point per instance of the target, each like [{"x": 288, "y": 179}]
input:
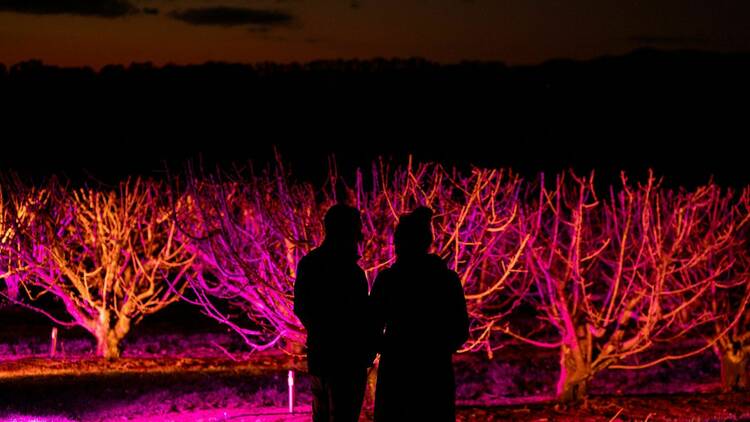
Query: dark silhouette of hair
[
  {"x": 343, "y": 222},
  {"x": 414, "y": 232}
]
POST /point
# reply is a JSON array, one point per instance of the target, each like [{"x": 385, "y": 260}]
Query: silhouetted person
[
  {"x": 420, "y": 303},
  {"x": 331, "y": 300}
]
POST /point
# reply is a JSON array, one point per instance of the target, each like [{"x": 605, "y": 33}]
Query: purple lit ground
[{"x": 170, "y": 374}]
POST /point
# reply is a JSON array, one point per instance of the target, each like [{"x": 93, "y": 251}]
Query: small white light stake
[
  {"x": 53, "y": 343},
  {"x": 290, "y": 382}
]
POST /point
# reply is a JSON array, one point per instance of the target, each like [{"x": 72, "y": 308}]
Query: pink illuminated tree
[
  {"x": 18, "y": 209},
  {"x": 729, "y": 302},
  {"x": 477, "y": 232},
  {"x": 730, "y": 294},
  {"x": 602, "y": 280},
  {"x": 7, "y": 237},
  {"x": 698, "y": 248},
  {"x": 249, "y": 233},
  {"x": 613, "y": 275},
  {"x": 110, "y": 256}
]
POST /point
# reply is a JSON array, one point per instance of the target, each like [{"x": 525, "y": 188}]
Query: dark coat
[
  {"x": 330, "y": 298},
  {"x": 420, "y": 303}
]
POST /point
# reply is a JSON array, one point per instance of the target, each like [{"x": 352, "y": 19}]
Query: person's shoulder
[
  {"x": 384, "y": 275},
  {"x": 437, "y": 262},
  {"x": 311, "y": 258},
  {"x": 440, "y": 268},
  {"x": 315, "y": 253}
]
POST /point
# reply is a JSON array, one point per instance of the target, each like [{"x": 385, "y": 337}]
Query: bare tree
[
  {"x": 110, "y": 256},
  {"x": 477, "y": 232},
  {"x": 612, "y": 276},
  {"x": 698, "y": 254},
  {"x": 7, "y": 238},
  {"x": 249, "y": 233},
  {"x": 602, "y": 280},
  {"x": 19, "y": 206},
  {"x": 730, "y": 293}
]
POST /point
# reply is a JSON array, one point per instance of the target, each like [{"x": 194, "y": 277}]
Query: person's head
[
  {"x": 414, "y": 232},
  {"x": 343, "y": 225}
]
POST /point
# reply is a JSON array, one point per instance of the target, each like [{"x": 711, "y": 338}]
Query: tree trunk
[
  {"x": 372, "y": 381},
  {"x": 293, "y": 347},
  {"x": 574, "y": 374},
  {"x": 107, "y": 344},
  {"x": 108, "y": 337},
  {"x": 734, "y": 375}
]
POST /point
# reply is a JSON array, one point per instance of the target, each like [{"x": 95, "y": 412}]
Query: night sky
[{"x": 99, "y": 32}]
